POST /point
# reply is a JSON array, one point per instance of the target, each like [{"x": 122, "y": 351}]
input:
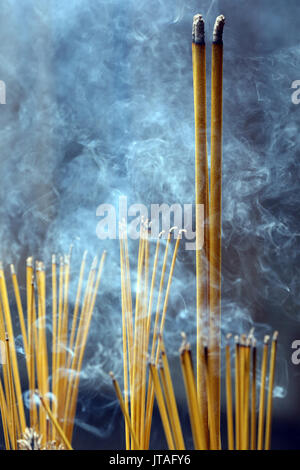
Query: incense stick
[
  {"x": 215, "y": 217},
  {"x": 270, "y": 391},
  {"x": 262, "y": 394},
  {"x": 230, "y": 430},
  {"x": 202, "y": 199}
]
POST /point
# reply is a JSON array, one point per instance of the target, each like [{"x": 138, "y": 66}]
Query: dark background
[{"x": 100, "y": 104}]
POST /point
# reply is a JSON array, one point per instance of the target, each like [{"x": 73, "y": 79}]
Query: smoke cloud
[{"x": 100, "y": 104}]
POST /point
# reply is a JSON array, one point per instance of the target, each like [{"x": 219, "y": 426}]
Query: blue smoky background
[{"x": 99, "y": 104}]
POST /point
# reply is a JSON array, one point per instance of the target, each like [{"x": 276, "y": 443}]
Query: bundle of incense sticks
[
  {"x": 250, "y": 433},
  {"x": 53, "y": 367},
  {"x": 208, "y": 256},
  {"x": 250, "y": 430},
  {"x": 202, "y": 388},
  {"x": 141, "y": 336}
]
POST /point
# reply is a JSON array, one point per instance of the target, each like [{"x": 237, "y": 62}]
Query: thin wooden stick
[
  {"x": 30, "y": 335},
  {"x": 55, "y": 423},
  {"x": 65, "y": 327},
  {"x": 5, "y": 375},
  {"x": 230, "y": 430},
  {"x": 154, "y": 271},
  {"x": 54, "y": 338},
  {"x": 159, "y": 298},
  {"x": 253, "y": 397},
  {"x": 128, "y": 302},
  {"x": 59, "y": 334},
  {"x": 262, "y": 394},
  {"x": 40, "y": 351},
  {"x": 124, "y": 411},
  {"x": 32, "y": 340},
  {"x": 19, "y": 307},
  {"x": 194, "y": 427},
  {"x": 29, "y": 273},
  {"x": 215, "y": 220},
  {"x": 237, "y": 393},
  {"x": 4, "y": 417},
  {"x": 246, "y": 394},
  {"x": 203, "y": 443},
  {"x": 242, "y": 388},
  {"x": 202, "y": 199},
  {"x": 11, "y": 394},
  {"x": 170, "y": 391},
  {"x": 270, "y": 392},
  {"x": 167, "y": 294},
  {"x": 145, "y": 339},
  {"x": 135, "y": 395},
  {"x": 213, "y": 436},
  {"x": 139, "y": 336},
  {"x": 162, "y": 406},
  {"x": 124, "y": 337},
  {"x": 76, "y": 308}
]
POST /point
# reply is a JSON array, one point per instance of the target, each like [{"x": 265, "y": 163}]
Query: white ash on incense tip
[
  {"x": 218, "y": 30},
  {"x": 198, "y": 33}
]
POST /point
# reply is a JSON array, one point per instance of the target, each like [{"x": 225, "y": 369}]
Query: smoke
[{"x": 100, "y": 104}]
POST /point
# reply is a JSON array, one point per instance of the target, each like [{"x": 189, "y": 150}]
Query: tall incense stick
[
  {"x": 215, "y": 217},
  {"x": 202, "y": 201}
]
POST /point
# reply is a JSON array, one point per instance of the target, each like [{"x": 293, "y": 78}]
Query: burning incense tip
[
  {"x": 94, "y": 263},
  {"x": 12, "y": 269},
  {"x": 275, "y": 336},
  {"x": 243, "y": 339},
  {"x": 70, "y": 250},
  {"x": 184, "y": 344},
  {"x": 6, "y": 336},
  {"x": 53, "y": 259},
  {"x": 266, "y": 339},
  {"x": 218, "y": 30},
  {"x": 29, "y": 262},
  {"x": 111, "y": 374},
  {"x": 198, "y": 33},
  {"x": 183, "y": 336}
]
